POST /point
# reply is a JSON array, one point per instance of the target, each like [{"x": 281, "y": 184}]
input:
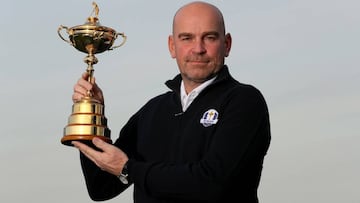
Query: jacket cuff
[{"x": 138, "y": 172}]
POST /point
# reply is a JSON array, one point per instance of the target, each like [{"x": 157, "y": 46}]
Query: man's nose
[{"x": 199, "y": 47}]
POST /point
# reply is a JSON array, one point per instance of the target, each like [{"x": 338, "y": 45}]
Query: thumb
[
  {"x": 85, "y": 75},
  {"x": 93, "y": 81}
]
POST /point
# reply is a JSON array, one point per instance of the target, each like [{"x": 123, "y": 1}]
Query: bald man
[{"x": 203, "y": 141}]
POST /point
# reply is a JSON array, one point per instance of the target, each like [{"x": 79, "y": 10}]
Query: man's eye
[
  {"x": 185, "y": 38},
  {"x": 211, "y": 37}
]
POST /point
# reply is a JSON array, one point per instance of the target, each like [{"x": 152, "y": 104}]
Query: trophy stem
[{"x": 90, "y": 59}]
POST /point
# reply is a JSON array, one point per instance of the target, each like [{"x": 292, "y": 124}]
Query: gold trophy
[{"x": 87, "y": 119}]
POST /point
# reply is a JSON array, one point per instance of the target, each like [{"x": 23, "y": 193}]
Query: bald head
[{"x": 199, "y": 9}]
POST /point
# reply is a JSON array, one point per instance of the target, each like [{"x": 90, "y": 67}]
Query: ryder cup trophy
[{"x": 87, "y": 119}]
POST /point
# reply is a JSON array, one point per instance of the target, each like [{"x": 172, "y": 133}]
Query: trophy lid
[{"x": 92, "y": 24}]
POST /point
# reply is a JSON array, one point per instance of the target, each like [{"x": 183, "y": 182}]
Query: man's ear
[
  {"x": 228, "y": 41},
  {"x": 171, "y": 46}
]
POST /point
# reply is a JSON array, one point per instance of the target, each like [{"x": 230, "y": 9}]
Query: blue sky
[{"x": 302, "y": 55}]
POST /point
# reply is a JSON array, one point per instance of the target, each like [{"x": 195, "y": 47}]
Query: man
[{"x": 204, "y": 141}]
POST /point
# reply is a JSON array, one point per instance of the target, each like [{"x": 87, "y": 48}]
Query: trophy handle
[
  {"x": 59, "y": 33},
  {"x": 122, "y": 43}
]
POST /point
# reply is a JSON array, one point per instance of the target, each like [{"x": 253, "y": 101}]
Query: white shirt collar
[{"x": 187, "y": 99}]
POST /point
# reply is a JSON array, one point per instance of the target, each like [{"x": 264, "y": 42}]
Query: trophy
[{"x": 87, "y": 119}]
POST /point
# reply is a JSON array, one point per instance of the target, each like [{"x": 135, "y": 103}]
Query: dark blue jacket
[{"x": 212, "y": 152}]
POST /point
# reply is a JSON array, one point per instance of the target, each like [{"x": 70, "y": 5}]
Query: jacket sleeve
[{"x": 100, "y": 184}]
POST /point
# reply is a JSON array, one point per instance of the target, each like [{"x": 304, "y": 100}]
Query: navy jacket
[{"x": 212, "y": 152}]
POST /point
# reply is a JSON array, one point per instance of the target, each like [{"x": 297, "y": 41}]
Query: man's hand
[
  {"x": 111, "y": 159},
  {"x": 82, "y": 87}
]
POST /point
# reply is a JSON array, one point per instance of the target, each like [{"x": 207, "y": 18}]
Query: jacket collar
[{"x": 174, "y": 84}]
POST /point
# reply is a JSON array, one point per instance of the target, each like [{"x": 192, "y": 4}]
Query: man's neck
[{"x": 190, "y": 85}]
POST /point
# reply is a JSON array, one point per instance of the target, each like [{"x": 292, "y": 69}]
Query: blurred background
[{"x": 302, "y": 55}]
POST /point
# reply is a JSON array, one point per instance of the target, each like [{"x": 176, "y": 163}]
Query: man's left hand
[{"x": 111, "y": 159}]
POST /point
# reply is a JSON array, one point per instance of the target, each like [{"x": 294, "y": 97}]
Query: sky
[{"x": 303, "y": 55}]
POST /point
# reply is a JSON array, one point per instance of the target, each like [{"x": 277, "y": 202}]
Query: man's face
[{"x": 199, "y": 44}]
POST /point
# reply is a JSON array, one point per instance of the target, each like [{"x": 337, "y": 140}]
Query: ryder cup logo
[{"x": 209, "y": 118}]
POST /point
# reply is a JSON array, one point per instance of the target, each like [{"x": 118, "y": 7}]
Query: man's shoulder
[
  {"x": 238, "y": 88},
  {"x": 161, "y": 97},
  {"x": 245, "y": 93}
]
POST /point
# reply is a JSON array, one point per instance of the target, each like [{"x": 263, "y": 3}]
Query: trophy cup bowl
[
  {"x": 88, "y": 120},
  {"x": 91, "y": 37}
]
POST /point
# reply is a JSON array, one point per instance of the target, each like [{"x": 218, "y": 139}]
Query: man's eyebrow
[
  {"x": 187, "y": 34},
  {"x": 215, "y": 33},
  {"x": 184, "y": 34}
]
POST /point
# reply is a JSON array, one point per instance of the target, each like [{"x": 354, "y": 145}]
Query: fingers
[
  {"x": 85, "y": 76},
  {"x": 99, "y": 143},
  {"x": 81, "y": 88},
  {"x": 87, "y": 151},
  {"x": 82, "y": 85}
]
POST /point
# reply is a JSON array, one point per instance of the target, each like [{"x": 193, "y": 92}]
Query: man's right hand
[{"x": 82, "y": 87}]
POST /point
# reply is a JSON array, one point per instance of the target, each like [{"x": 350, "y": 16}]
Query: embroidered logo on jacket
[{"x": 209, "y": 118}]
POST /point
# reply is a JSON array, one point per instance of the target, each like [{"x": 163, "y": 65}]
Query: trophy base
[
  {"x": 86, "y": 139},
  {"x": 86, "y": 122}
]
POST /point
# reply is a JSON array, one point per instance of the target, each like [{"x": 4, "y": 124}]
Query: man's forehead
[
  {"x": 198, "y": 26},
  {"x": 201, "y": 16}
]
